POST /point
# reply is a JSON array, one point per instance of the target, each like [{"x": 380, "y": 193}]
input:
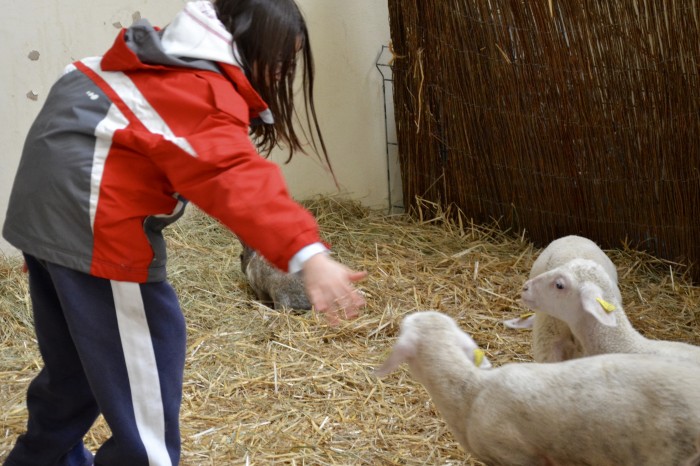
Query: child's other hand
[{"x": 329, "y": 288}]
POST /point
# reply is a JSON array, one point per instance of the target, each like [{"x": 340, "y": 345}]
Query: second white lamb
[
  {"x": 582, "y": 294},
  {"x": 551, "y": 338}
]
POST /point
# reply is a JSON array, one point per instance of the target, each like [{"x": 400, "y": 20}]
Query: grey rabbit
[{"x": 272, "y": 286}]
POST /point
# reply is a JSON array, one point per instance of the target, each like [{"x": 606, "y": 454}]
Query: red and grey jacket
[{"x": 122, "y": 141}]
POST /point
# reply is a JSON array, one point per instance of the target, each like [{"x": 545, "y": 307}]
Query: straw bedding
[{"x": 264, "y": 387}]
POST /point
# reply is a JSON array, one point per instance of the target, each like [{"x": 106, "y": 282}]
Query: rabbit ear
[{"x": 593, "y": 303}]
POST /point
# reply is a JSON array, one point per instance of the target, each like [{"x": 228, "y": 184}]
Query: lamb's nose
[{"x": 526, "y": 287}]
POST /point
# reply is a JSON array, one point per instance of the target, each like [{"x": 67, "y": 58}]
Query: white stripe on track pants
[{"x": 115, "y": 348}]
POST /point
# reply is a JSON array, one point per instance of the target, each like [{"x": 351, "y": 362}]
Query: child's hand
[{"x": 329, "y": 288}]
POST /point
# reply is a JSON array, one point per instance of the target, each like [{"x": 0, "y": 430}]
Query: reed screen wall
[{"x": 554, "y": 117}]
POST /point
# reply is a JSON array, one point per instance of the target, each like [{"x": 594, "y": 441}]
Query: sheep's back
[
  {"x": 566, "y": 248},
  {"x": 610, "y": 409}
]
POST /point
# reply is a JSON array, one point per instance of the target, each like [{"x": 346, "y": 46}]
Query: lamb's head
[
  {"x": 580, "y": 285},
  {"x": 425, "y": 334}
]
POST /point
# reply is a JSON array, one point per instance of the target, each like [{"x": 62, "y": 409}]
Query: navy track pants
[{"x": 116, "y": 348}]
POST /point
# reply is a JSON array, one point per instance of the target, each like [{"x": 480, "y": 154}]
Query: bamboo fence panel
[{"x": 554, "y": 117}]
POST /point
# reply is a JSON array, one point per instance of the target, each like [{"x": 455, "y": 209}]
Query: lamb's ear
[
  {"x": 402, "y": 351},
  {"x": 524, "y": 321},
  {"x": 475, "y": 354},
  {"x": 480, "y": 359},
  {"x": 593, "y": 303}
]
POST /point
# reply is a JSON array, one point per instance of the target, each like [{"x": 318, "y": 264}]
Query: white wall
[
  {"x": 40, "y": 37},
  {"x": 347, "y": 36}
]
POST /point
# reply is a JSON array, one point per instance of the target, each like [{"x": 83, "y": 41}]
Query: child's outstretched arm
[{"x": 329, "y": 286}]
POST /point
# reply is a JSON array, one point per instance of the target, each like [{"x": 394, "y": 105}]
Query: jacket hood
[
  {"x": 194, "y": 39},
  {"x": 197, "y": 33}
]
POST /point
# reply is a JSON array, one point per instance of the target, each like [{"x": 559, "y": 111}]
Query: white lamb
[
  {"x": 551, "y": 338},
  {"x": 615, "y": 409},
  {"x": 582, "y": 294}
]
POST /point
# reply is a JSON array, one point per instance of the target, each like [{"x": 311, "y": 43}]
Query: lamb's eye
[{"x": 560, "y": 285}]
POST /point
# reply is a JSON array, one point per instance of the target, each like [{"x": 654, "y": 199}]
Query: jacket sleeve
[{"x": 230, "y": 181}]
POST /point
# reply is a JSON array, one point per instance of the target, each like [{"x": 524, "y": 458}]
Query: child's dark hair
[{"x": 269, "y": 34}]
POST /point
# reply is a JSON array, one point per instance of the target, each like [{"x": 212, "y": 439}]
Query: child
[{"x": 121, "y": 144}]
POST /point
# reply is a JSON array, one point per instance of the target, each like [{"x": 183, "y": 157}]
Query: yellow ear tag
[
  {"x": 478, "y": 357},
  {"x": 526, "y": 315},
  {"x": 605, "y": 305}
]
